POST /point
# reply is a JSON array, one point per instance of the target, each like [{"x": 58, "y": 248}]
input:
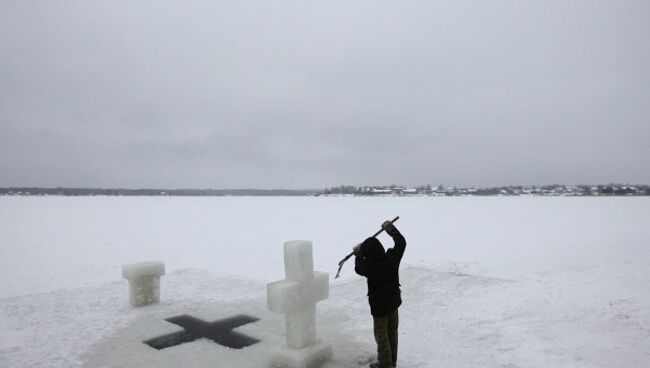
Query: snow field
[
  {"x": 448, "y": 319},
  {"x": 489, "y": 282},
  {"x": 48, "y": 243}
]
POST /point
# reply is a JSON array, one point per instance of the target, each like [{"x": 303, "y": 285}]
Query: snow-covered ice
[
  {"x": 296, "y": 296},
  {"x": 487, "y": 282},
  {"x": 144, "y": 282}
]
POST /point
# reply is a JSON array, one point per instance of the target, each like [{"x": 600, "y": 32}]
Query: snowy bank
[{"x": 594, "y": 317}]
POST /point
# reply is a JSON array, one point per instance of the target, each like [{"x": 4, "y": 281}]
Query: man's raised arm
[{"x": 398, "y": 238}]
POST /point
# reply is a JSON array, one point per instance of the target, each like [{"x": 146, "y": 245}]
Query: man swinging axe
[{"x": 381, "y": 269}]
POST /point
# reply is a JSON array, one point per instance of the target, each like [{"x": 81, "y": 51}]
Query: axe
[{"x": 338, "y": 273}]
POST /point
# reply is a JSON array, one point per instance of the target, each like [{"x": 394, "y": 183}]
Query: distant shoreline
[
  {"x": 608, "y": 190},
  {"x": 29, "y": 191}
]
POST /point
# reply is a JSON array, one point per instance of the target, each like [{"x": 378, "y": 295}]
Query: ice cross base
[{"x": 296, "y": 296}]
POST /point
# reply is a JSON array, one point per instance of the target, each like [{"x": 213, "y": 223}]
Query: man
[{"x": 381, "y": 268}]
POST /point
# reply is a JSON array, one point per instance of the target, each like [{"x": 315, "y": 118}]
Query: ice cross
[
  {"x": 296, "y": 296},
  {"x": 218, "y": 331}
]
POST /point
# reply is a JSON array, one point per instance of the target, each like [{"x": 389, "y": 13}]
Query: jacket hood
[{"x": 373, "y": 249}]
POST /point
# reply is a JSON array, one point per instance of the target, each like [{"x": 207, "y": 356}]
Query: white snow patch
[
  {"x": 49, "y": 243},
  {"x": 530, "y": 282},
  {"x": 568, "y": 319}
]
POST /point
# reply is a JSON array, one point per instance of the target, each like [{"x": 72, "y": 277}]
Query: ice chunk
[
  {"x": 298, "y": 260},
  {"x": 144, "y": 282},
  {"x": 320, "y": 286},
  {"x": 296, "y": 296},
  {"x": 309, "y": 357},
  {"x": 301, "y": 327},
  {"x": 286, "y": 296},
  {"x": 134, "y": 270}
]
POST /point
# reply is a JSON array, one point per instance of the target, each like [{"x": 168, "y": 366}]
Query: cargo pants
[{"x": 385, "y": 328}]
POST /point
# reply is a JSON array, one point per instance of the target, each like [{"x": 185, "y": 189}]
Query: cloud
[{"x": 285, "y": 94}]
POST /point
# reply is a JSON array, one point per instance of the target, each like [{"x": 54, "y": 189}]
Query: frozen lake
[
  {"x": 49, "y": 243},
  {"x": 490, "y": 282}
]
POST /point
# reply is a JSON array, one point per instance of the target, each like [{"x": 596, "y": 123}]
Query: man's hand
[
  {"x": 356, "y": 250},
  {"x": 389, "y": 227}
]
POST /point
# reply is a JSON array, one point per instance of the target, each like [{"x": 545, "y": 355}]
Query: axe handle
[
  {"x": 338, "y": 273},
  {"x": 382, "y": 229}
]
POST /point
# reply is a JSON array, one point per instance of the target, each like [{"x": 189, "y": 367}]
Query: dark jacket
[{"x": 382, "y": 271}]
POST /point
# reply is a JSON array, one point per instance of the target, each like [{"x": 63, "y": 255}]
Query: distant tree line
[
  {"x": 513, "y": 190},
  {"x": 342, "y": 189},
  {"x": 393, "y": 189},
  {"x": 153, "y": 192}
]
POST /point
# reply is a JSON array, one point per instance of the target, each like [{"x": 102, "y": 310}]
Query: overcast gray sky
[{"x": 298, "y": 94}]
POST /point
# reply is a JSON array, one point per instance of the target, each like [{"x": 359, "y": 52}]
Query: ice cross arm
[{"x": 288, "y": 295}]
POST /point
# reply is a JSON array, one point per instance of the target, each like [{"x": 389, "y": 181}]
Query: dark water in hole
[{"x": 220, "y": 331}]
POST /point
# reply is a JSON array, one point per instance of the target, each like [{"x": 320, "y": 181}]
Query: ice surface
[
  {"x": 506, "y": 236},
  {"x": 587, "y": 318},
  {"x": 296, "y": 296},
  {"x": 590, "y": 306},
  {"x": 144, "y": 282}
]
